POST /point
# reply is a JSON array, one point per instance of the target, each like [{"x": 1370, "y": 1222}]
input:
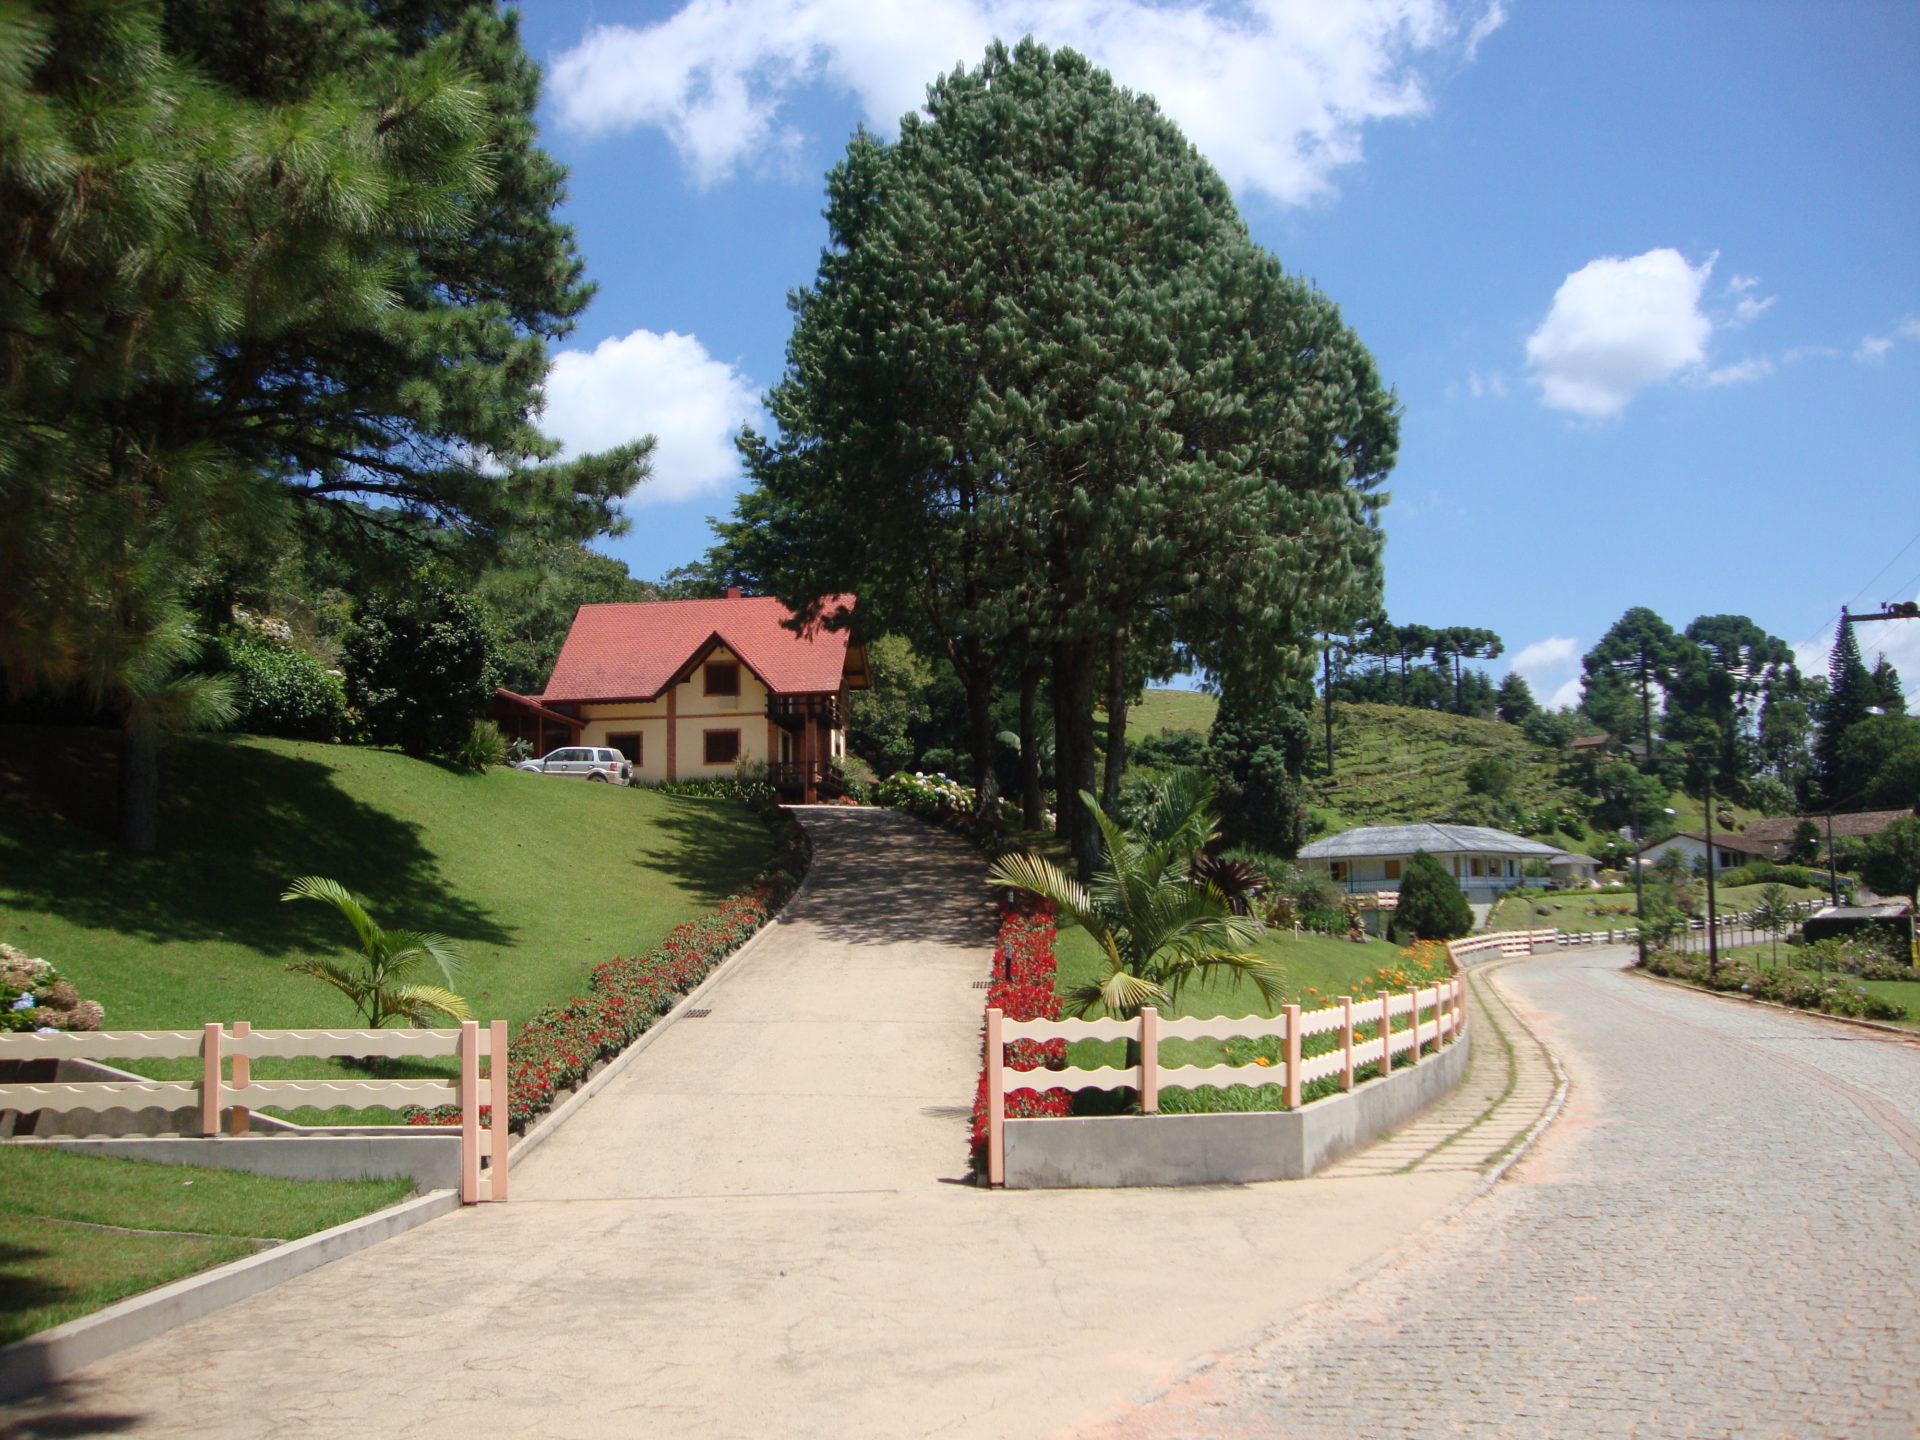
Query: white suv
[{"x": 594, "y": 764}]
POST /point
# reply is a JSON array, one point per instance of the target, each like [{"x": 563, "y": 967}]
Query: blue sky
[{"x": 1646, "y": 276}]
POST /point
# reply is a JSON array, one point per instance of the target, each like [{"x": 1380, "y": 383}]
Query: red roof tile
[{"x": 633, "y": 650}]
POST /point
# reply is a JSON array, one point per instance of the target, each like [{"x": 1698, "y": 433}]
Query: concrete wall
[
  {"x": 432, "y": 1162},
  {"x": 1119, "y": 1150}
]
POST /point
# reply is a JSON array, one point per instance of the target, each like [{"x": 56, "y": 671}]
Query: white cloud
[
  {"x": 1618, "y": 326},
  {"x": 1276, "y": 93},
  {"x": 1480, "y": 386},
  {"x": 666, "y": 386},
  {"x": 1551, "y": 668},
  {"x": 1875, "y": 347},
  {"x": 1747, "y": 307},
  {"x": 1758, "y": 368}
]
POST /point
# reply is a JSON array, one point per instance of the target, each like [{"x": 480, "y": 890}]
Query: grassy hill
[
  {"x": 1394, "y": 764},
  {"x": 539, "y": 878}
]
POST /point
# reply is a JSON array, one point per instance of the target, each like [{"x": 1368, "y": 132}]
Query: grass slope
[
  {"x": 78, "y": 1232},
  {"x": 538, "y": 878}
]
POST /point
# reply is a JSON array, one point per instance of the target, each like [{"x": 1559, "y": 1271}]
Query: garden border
[{"x": 1879, "y": 1025}]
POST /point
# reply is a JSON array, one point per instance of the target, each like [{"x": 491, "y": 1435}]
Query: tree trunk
[
  {"x": 1116, "y": 718},
  {"x": 139, "y": 788},
  {"x": 1326, "y": 696},
  {"x": 1073, "y": 745},
  {"x": 1033, "y": 804}
]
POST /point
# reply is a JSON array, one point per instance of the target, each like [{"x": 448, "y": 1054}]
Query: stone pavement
[
  {"x": 759, "y": 1229},
  {"x": 1717, "y": 1238}
]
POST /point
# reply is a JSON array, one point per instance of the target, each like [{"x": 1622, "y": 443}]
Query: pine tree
[
  {"x": 1432, "y": 906},
  {"x": 1513, "y": 701},
  {"x": 1850, "y": 695}
]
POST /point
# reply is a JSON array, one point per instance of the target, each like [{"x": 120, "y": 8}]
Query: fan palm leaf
[{"x": 378, "y": 985}]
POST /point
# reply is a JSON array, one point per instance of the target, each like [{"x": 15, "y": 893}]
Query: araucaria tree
[
  {"x": 1046, "y": 405},
  {"x": 270, "y": 274}
]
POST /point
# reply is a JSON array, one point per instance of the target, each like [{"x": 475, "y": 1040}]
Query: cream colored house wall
[{"x": 693, "y": 713}]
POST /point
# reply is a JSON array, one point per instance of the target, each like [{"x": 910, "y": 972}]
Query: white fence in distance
[
  {"x": 226, "y": 1084},
  {"x": 1445, "y": 1000},
  {"x": 1523, "y": 942}
]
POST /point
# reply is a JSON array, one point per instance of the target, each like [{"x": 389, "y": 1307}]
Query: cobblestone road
[{"x": 1716, "y": 1238}]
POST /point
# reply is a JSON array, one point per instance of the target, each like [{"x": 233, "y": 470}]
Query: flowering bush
[
  {"x": 1830, "y": 994},
  {"x": 33, "y": 996},
  {"x": 1022, "y": 989},
  {"x": 557, "y": 1048},
  {"x": 1421, "y": 963},
  {"x": 948, "y": 804}
]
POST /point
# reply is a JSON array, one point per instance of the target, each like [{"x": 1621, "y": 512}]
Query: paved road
[{"x": 1719, "y": 1237}]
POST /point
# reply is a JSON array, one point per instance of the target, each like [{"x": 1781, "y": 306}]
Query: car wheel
[{"x": 596, "y": 775}]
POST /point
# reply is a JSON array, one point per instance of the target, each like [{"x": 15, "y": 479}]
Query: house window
[
  {"x": 1338, "y": 870},
  {"x": 723, "y": 679},
  {"x": 722, "y": 746},
  {"x": 1478, "y": 866},
  {"x": 1393, "y": 869},
  {"x": 628, "y": 745}
]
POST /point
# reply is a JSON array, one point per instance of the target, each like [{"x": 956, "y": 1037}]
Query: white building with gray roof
[{"x": 1484, "y": 861}]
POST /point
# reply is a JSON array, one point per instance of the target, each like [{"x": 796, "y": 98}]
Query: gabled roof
[
  {"x": 633, "y": 650},
  {"x": 1722, "y": 840},
  {"x": 1434, "y": 839},
  {"x": 1778, "y": 829}
]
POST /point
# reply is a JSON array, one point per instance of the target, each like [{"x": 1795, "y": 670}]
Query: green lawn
[
  {"x": 538, "y": 878},
  {"x": 61, "y": 1257},
  {"x": 1317, "y": 969},
  {"x": 1170, "y": 710}
]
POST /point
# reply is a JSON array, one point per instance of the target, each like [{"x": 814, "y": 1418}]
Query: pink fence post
[
  {"x": 996, "y": 1103},
  {"x": 240, "y": 1118},
  {"x": 1386, "y": 1032},
  {"x": 1413, "y": 1019},
  {"x": 210, "y": 1038},
  {"x": 1292, "y": 1012},
  {"x": 1346, "y": 1042},
  {"x": 469, "y": 1112},
  {"x": 1149, "y": 1060},
  {"x": 497, "y": 1088}
]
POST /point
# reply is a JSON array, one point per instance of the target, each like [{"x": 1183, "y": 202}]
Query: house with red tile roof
[{"x": 689, "y": 689}]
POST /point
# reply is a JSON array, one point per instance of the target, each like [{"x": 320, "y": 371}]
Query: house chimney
[{"x": 733, "y": 592}]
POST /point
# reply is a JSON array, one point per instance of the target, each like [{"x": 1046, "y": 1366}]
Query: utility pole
[
  {"x": 1326, "y": 692},
  {"x": 1713, "y": 926}
]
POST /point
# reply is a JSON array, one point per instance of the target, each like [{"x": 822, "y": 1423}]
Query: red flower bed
[
  {"x": 1023, "y": 969},
  {"x": 558, "y": 1046}
]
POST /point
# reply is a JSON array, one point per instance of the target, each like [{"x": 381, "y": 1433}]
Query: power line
[{"x": 1894, "y": 560}]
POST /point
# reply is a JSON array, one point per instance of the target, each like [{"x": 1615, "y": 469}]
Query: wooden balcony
[
  {"x": 807, "y": 779},
  {"x": 794, "y": 711}
]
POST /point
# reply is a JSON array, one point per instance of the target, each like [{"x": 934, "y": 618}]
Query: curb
[
  {"x": 42, "y": 1360},
  {"x": 1885, "y": 1029}
]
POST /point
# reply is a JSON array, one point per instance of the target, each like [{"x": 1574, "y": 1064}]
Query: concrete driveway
[{"x": 764, "y": 1227}]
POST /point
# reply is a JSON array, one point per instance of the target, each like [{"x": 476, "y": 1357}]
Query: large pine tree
[
  {"x": 272, "y": 273},
  {"x": 1850, "y": 696}
]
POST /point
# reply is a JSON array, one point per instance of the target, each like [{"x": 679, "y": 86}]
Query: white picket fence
[
  {"x": 1438, "y": 1011},
  {"x": 1733, "y": 926},
  {"x": 226, "y": 1086}
]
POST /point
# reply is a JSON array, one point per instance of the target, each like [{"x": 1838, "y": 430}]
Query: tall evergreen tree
[
  {"x": 1513, "y": 701},
  {"x": 1850, "y": 696},
  {"x": 1888, "y": 693},
  {"x": 1046, "y": 399},
  {"x": 266, "y": 269},
  {"x": 1637, "y": 656}
]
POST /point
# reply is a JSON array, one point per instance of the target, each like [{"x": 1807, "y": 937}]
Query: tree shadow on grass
[
  {"x": 237, "y": 822},
  {"x": 710, "y": 847}
]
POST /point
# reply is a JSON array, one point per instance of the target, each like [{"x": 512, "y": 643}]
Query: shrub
[
  {"x": 1432, "y": 906},
  {"x": 948, "y": 804},
  {"x": 483, "y": 747},
  {"x": 419, "y": 669},
  {"x": 278, "y": 688},
  {"x": 1022, "y": 989},
  {"x": 854, "y": 778},
  {"x": 1828, "y": 994}
]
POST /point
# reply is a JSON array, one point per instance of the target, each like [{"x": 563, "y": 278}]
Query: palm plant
[
  {"x": 378, "y": 986},
  {"x": 1158, "y": 925}
]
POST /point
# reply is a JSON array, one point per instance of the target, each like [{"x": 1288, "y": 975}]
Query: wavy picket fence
[{"x": 226, "y": 1088}]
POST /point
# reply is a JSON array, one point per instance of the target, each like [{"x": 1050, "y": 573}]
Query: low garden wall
[{"x": 1112, "y": 1150}]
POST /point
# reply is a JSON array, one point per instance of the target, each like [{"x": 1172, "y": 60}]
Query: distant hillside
[{"x": 1394, "y": 764}]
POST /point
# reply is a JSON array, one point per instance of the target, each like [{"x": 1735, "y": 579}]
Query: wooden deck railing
[
  {"x": 1438, "y": 1014},
  {"x": 226, "y": 1085}
]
